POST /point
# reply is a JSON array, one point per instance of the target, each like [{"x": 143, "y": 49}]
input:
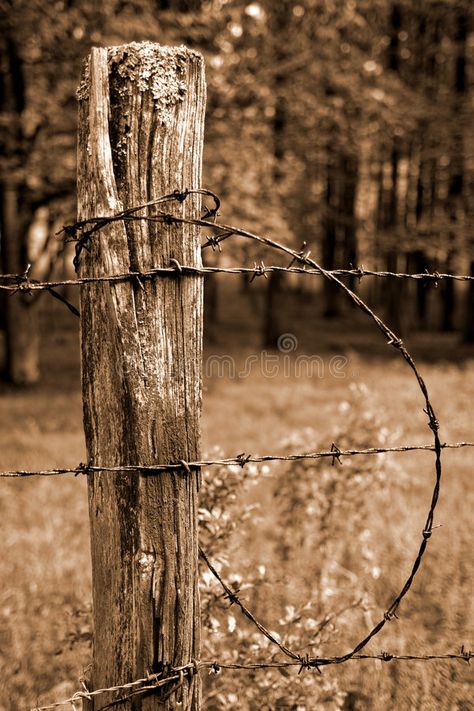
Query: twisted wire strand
[
  {"x": 154, "y": 681},
  {"x": 240, "y": 460},
  {"x": 23, "y": 283}
]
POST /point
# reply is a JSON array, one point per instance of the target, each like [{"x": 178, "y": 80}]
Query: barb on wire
[{"x": 240, "y": 460}]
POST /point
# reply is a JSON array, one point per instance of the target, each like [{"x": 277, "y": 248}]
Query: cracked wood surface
[{"x": 141, "y": 122}]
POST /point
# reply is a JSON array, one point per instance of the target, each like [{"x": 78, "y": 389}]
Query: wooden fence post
[{"x": 141, "y": 123}]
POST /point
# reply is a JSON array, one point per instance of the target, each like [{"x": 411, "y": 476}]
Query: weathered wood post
[{"x": 140, "y": 137}]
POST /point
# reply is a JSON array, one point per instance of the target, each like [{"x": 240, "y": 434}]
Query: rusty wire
[
  {"x": 23, "y": 283},
  {"x": 233, "y": 597},
  {"x": 141, "y": 686},
  {"x": 240, "y": 460},
  {"x": 392, "y": 340},
  {"x": 82, "y": 233},
  {"x": 226, "y": 231},
  {"x": 177, "y": 674}
]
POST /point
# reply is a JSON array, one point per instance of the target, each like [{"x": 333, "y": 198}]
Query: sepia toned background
[{"x": 343, "y": 127}]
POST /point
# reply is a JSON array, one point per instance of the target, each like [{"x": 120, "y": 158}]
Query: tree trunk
[
  {"x": 460, "y": 190},
  {"x": 448, "y": 295},
  {"x": 393, "y": 295},
  {"x": 394, "y": 289},
  {"x": 272, "y": 327},
  {"x": 275, "y": 282},
  {"x": 349, "y": 181},
  {"x": 140, "y": 137},
  {"x": 468, "y": 321},
  {"x": 417, "y": 263},
  {"x": 329, "y": 246},
  {"x": 20, "y": 316}
]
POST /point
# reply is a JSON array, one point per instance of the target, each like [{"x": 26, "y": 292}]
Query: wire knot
[
  {"x": 433, "y": 277},
  {"x": 23, "y": 283},
  {"x": 433, "y": 423},
  {"x": 214, "y": 242},
  {"x": 84, "y": 468},
  {"x": 215, "y": 669},
  {"x": 395, "y": 342},
  {"x": 79, "y": 695},
  {"x": 70, "y": 232},
  {"x": 386, "y": 656},
  {"x": 259, "y": 270},
  {"x": 211, "y": 212},
  {"x": 301, "y": 256},
  {"x": 427, "y": 534},
  {"x": 243, "y": 459},
  {"x": 232, "y": 596},
  {"x": 180, "y": 196},
  {"x": 337, "y": 454},
  {"x": 307, "y": 663},
  {"x": 82, "y": 243},
  {"x": 304, "y": 663}
]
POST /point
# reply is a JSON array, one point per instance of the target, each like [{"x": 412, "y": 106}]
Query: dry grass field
[{"x": 44, "y": 566}]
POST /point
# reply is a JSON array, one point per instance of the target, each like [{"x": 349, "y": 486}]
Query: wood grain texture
[{"x": 140, "y": 136}]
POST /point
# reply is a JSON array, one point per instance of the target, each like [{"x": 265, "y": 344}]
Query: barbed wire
[
  {"x": 23, "y": 283},
  {"x": 225, "y": 231},
  {"x": 139, "y": 686},
  {"x": 394, "y": 341},
  {"x": 240, "y": 460},
  {"x": 82, "y": 232},
  {"x": 156, "y": 681},
  {"x": 233, "y": 597}
]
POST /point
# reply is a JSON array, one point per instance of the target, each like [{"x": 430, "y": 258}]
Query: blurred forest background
[{"x": 344, "y": 124}]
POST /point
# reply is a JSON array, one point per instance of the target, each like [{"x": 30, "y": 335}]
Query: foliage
[{"x": 317, "y": 582}]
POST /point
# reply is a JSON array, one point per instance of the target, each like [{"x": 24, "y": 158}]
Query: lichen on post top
[
  {"x": 150, "y": 67},
  {"x": 156, "y": 68}
]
